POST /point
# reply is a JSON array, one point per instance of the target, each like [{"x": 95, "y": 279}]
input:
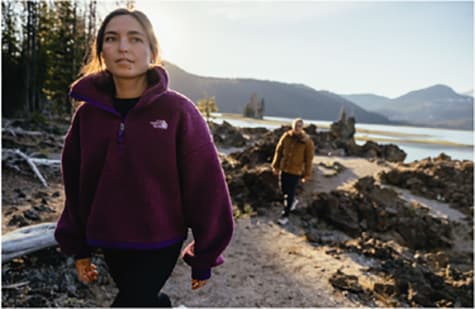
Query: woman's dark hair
[{"x": 94, "y": 63}]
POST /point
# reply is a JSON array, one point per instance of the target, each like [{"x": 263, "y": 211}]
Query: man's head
[{"x": 297, "y": 125}]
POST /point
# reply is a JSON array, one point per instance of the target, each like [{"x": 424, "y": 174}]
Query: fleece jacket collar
[{"x": 96, "y": 88}]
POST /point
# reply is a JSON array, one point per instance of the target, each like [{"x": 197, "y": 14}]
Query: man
[{"x": 293, "y": 160}]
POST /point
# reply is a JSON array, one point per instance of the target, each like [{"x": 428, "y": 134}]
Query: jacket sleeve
[
  {"x": 309, "y": 151},
  {"x": 278, "y": 152},
  {"x": 205, "y": 195},
  {"x": 70, "y": 229}
]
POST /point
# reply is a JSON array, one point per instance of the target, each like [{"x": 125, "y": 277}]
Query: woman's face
[{"x": 126, "y": 49}]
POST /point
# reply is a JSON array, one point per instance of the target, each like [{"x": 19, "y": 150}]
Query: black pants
[
  {"x": 288, "y": 184},
  {"x": 141, "y": 274}
]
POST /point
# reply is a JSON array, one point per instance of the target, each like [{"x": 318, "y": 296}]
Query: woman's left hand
[{"x": 196, "y": 284}]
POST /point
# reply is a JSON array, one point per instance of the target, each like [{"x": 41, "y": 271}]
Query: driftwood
[
  {"x": 15, "y": 131},
  {"x": 15, "y": 285},
  {"x": 18, "y": 138},
  {"x": 31, "y": 162},
  {"x": 27, "y": 239}
]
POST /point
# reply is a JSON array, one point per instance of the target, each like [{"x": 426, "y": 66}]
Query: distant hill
[
  {"x": 281, "y": 99},
  {"x": 368, "y": 101},
  {"x": 468, "y": 93},
  {"x": 436, "y": 106}
]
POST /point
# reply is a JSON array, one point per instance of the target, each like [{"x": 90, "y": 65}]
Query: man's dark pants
[{"x": 288, "y": 185}]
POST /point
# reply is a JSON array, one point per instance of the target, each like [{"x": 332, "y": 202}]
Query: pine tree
[
  {"x": 30, "y": 55},
  {"x": 12, "y": 87},
  {"x": 67, "y": 47}
]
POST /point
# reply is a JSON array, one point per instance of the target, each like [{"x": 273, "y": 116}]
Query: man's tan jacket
[{"x": 294, "y": 154}]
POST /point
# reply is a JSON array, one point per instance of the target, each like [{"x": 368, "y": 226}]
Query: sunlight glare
[{"x": 167, "y": 28}]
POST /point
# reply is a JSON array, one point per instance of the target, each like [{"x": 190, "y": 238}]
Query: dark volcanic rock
[
  {"x": 346, "y": 282},
  {"x": 18, "y": 220},
  {"x": 32, "y": 214},
  {"x": 416, "y": 280},
  {"x": 442, "y": 179},
  {"x": 48, "y": 279},
  {"x": 252, "y": 156},
  {"x": 377, "y": 209},
  {"x": 226, "y": 135},
  {"x": 257, "y": 187}
]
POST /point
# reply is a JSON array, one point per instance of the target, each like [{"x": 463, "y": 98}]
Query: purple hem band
[
  {"x": 140, "y": 246},
  {"x": 97, "y": 104}
]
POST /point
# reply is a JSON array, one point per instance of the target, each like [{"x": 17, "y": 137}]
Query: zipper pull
[{"x": 121, "y": 132}]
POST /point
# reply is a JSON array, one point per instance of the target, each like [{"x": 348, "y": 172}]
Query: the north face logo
[{"x": 159, "y": 124}]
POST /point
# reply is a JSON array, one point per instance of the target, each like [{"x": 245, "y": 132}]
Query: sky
[{"x": 384, "y": 48}]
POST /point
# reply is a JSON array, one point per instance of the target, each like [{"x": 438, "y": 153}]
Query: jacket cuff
[{"x": 200, "y": 273}]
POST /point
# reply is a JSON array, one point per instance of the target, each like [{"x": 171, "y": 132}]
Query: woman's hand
[
  {"x": 86, "y": 271},
  {"x": 196, "y": 284}
]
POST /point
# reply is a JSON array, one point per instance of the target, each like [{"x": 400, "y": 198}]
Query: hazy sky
[{"x": 385, "y": 48}]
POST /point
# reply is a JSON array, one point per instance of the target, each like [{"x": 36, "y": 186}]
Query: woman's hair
[{"x": 94, "y": 63}]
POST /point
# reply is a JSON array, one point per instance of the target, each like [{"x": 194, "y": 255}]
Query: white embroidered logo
[{"x": 159, "y": 124}]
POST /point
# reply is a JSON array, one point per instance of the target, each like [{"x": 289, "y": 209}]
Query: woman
[{"x": 139, "y": 168}]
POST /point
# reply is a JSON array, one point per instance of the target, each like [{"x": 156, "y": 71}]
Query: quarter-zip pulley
[{"x": 121, "y": 132}]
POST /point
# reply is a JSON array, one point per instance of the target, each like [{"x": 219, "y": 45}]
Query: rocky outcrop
[
  {"x": 413, "y": 278},
  {"x": 370, "y": 149},
  {"x": 226, "y": 135},
  {"x": 441, "y": 179},
  {"x": 374, "y": 209},
  {"x": 342, "y": 133},
  {"x": 256, "y": 187}
]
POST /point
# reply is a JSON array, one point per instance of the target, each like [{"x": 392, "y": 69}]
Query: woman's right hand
[{"x": 86, "y": 271}]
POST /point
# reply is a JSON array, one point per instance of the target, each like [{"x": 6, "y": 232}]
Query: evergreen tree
[
  {"x": 30, "y": 55},
  {"x": 67, "y": 48},
  {"x": 12, "y": 87}
]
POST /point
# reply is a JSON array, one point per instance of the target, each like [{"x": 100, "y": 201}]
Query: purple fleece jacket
[{"x": 141, "y": 181}]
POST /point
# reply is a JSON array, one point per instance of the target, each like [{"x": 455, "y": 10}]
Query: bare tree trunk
[
  {"x": 34, "y": 60},
  {"x": 91, "y": 27},
  {"x": 27, "y": 58},
  {"x": 31, "y": 64}
]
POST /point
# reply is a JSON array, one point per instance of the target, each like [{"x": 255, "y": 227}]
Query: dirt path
[
  {"x": 270, "y": 265},
  {"x": 267, "y": 265}
]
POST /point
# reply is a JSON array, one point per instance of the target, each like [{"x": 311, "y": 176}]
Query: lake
[{"x": 417, "y": 142}]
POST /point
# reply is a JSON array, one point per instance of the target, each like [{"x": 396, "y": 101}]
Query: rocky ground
[{"x": 369, "y": 231}]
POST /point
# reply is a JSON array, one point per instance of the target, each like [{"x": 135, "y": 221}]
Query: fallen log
[
  {"x": 27, "y": 239},
  {"x": 15, "y": 285},
  {"x": 47, "y": 162},
  {"x": 30, "y": 161},
  {"x": 15, "y": 131}
]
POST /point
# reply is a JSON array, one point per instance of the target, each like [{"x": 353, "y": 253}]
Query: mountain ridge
[
  {"x": 436, "y": 106},
  {"x": 232, "y": 94},
  {"x": 299, "y": 100}
]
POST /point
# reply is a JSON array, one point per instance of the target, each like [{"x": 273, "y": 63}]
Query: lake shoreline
[{"x": 419, "y": 144}]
